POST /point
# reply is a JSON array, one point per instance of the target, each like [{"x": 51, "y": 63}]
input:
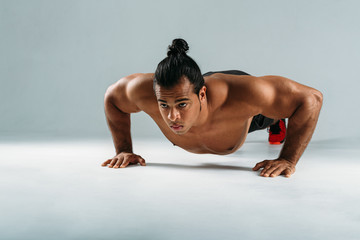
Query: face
[{"x": 179, "y": 106}]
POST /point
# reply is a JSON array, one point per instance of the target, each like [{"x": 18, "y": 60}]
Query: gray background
[{"x": 58, "y": 57}]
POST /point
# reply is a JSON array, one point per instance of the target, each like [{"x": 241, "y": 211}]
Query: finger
[
  {"x": 265, "y": 168},
  {"x": 113, "y": 161},
  {"x": 125, "y": 162},
  {"x": 268, "y": 170},
  {"x": 118, "y": 162},
  {"x": 142, "y": 161},
  {"x": 277, "y": 172},
  {"x": 287, "y": 173},
  {"x": 106, "y": 162},
  {"x": 259, "y": 165}
]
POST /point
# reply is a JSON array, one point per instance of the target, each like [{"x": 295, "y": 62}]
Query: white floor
[{"x": 58, "y": 190}]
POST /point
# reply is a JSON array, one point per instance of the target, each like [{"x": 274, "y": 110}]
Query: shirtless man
[{"x": 211, "y": 113}]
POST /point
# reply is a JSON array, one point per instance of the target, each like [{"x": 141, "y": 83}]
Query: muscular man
[{"x": 211, "y": 113}]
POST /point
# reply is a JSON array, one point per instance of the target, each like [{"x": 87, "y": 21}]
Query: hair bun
[{"x": 178, "y": 46}]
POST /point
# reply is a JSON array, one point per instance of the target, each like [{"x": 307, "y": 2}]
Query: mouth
[{"x": 176, "y": 127}]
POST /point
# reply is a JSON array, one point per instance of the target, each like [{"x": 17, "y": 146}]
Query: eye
[
  {"x": 163, "y": 105},
  {"x": 182, "y": 105}
]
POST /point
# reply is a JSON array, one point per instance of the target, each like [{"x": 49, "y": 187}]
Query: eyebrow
[{"x": 176, "y": 101}]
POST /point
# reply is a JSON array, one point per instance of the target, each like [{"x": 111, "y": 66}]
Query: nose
[{"x": 173, "y": 114}]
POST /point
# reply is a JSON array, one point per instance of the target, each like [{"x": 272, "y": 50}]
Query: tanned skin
[{"x": 216, "y": 120}]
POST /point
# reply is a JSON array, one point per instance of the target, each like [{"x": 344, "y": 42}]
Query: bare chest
[{"x": 222, "y": 137}]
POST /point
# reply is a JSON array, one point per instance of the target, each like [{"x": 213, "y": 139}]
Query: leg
[
  {"x": 260, "y": 122},
  {"x": 277, "y": 132}
]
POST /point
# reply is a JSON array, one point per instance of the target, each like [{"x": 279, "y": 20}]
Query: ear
[{"x": 202, "y": 93}]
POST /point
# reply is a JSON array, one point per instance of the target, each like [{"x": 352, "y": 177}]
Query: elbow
[
  {"x": 109, "y": 94},
  {"x": 318, "y": 98},
  {"x": 108, "y": 91},
  {"x": 314, "y": 100}
]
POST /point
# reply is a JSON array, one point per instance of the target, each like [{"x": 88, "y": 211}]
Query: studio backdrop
[{"x": 57, "y": 58}]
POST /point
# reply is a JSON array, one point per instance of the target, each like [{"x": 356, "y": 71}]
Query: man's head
[
  {"x": 178, "y": 64},
  {"x": 179, "y": 88}
]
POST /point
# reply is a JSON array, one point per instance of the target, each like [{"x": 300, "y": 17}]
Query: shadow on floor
[{"x": 203, "y": 166}]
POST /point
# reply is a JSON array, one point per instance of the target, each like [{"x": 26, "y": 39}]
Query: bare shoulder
[
  {"x": 274, "y": 96},
  {"x": 281, "y": 96},
  {"x": 230, "y": 81},
  {"x": 217, "y": 89},
  {"x": 130, "y": 92},
  {"x": 271, "y": 95},
  {"x": 269, "y": 86},
  {"x": 277, "y": 87},
  {"x": 227, "y": 88}
]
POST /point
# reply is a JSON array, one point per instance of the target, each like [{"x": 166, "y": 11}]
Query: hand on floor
[
  {"x": 274, "y": 168},
  {"x": 123, "y": 159}
]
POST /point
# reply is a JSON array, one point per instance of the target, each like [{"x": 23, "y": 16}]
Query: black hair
[{"x": 178, "y": 64}]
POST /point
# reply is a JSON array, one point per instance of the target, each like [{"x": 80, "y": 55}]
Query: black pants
[{"x": 259, "y": 121}]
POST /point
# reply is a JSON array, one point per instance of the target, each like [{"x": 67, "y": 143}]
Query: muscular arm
[
  {"x": 301, "y": 126},
  {"x": 283, "y": 98},
  {"x": 118, "y": 108},
  {"x": 119, "y": 125}
]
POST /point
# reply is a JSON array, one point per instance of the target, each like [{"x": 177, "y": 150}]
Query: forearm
[
  {"x": 122, "y": 139},
  {"x": 301, "y": 126},
  {"x": 119, "y": 125}
]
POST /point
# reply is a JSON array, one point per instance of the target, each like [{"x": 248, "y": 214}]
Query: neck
[{"x": 203, "y": 119}]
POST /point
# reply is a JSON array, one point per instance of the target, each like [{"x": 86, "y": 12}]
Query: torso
[
  {"x": 229, "y": 123},
  {"x": 225, "y": 135}
]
